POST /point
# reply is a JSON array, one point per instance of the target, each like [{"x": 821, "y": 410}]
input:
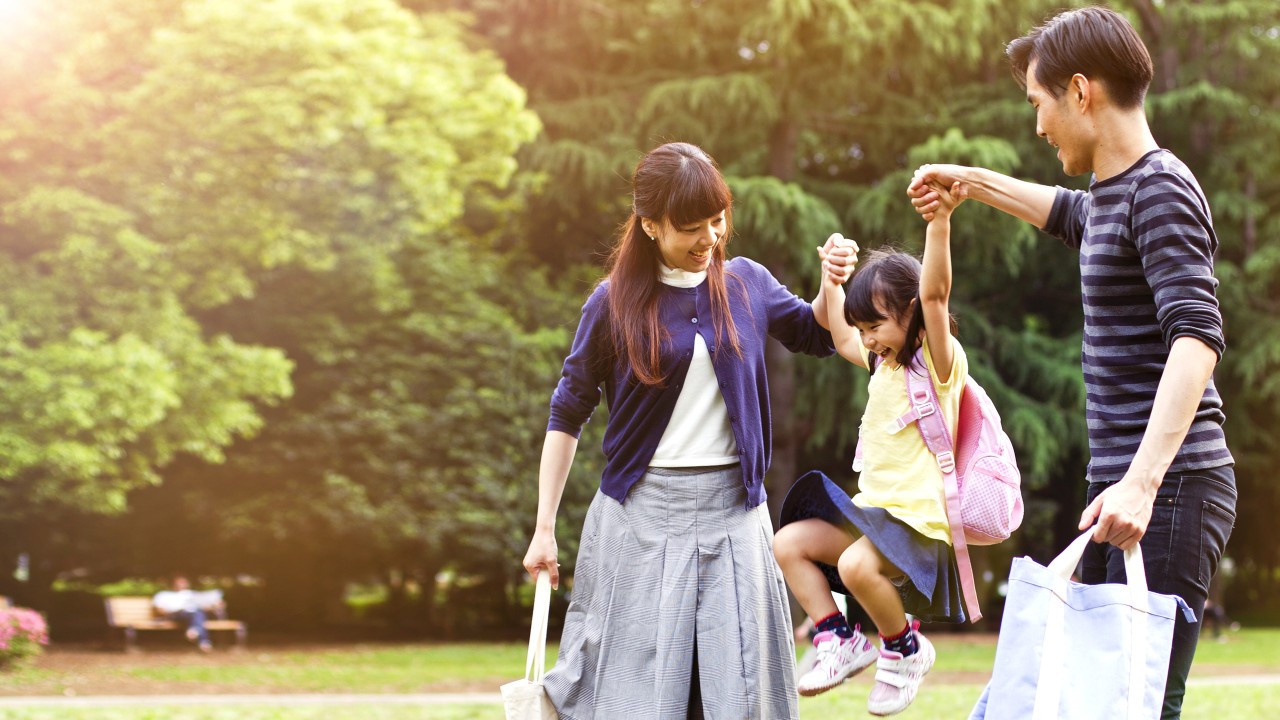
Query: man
[
  {"x": 1159, "y": 471},
  {"x": 182, "y": 604}
]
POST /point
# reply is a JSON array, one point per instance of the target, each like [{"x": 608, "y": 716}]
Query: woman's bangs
[{"x": 697, "y": 193}]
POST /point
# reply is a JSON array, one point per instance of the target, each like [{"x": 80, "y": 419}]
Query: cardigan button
[{"x": 695, "y": 321}]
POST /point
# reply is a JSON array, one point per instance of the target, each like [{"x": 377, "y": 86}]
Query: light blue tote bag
[{"x": 1069, "y": 651}]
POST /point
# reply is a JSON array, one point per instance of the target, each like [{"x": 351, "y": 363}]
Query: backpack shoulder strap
[{"x": 926, "y": 413}]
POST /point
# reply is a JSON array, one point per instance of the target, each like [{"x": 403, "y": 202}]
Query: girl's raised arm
[{"x": 935, "y": 284}]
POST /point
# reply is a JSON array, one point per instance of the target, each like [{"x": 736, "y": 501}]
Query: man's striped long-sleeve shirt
[{"x": 1146, "y": 246}]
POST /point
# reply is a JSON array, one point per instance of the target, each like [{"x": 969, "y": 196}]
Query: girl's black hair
[{"x": 892, "y": 276}]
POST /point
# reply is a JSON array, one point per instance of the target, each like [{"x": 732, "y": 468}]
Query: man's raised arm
[{"x": 1021, "y": 199}]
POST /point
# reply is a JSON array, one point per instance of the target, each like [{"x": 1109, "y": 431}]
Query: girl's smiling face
[
  {"x": 886, "y": 336},
  {"x": 690, "y": 246}
]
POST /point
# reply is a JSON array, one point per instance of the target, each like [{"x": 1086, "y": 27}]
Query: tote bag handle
[
  {"x": 1049, "y": 687},
  {"x": 535, "y": 665}
]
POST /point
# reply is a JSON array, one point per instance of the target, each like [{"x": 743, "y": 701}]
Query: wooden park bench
[{"x": 132, "y": 614}]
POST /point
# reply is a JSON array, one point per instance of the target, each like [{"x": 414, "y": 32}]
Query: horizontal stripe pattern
[{"x": 1146, "y": 245}]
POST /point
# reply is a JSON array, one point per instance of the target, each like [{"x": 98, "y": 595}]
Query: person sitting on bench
[{"x": 182, "y": 604}]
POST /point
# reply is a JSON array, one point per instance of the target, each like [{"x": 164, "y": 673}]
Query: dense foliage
[{"x": 287, "y": 283}]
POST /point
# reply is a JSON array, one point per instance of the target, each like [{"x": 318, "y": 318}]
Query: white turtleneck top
[{"x": 699, "y": 433}]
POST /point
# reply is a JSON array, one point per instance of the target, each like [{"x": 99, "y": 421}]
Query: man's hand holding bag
[{"x": 1069, "y": 651}]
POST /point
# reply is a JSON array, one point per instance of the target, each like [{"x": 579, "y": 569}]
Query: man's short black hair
[{"x": 1096, "y": 42}]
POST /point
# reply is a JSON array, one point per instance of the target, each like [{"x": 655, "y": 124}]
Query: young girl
[{"x": 889, "y": 545}]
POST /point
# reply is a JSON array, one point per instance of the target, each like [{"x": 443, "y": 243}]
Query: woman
[{"x": 675, "y": 560}]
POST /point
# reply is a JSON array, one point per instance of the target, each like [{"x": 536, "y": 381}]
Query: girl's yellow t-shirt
[{"x": 899, "y": 473}]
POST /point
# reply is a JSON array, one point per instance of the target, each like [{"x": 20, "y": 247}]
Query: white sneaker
[
  {"x": 837, "y": 660},
  {"x": 898, "y": 678}
]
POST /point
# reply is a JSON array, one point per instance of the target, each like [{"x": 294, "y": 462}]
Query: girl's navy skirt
[{"x": 931, "y": 589}]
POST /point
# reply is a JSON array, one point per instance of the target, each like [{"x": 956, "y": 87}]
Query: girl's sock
[
  {"x": 836, "y": 623},
  {"x": 904, "y": 642}
]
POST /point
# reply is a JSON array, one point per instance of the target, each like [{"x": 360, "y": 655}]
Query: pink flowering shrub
[{"x": 22, "y": 633}]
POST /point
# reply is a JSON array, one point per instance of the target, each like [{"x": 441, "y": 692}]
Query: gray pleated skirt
[{"x": 682, "y": 560}]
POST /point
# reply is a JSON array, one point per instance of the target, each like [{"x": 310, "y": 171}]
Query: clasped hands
[
  {"x": 839, "y": 257},
  {"x": 937, "y": 189}
]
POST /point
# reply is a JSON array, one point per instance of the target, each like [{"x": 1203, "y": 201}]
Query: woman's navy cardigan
[{"x": 638, "y": 414}]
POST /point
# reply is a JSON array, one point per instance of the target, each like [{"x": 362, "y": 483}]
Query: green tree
[
  {"x": 294, "y": 234},
  {"x": 211, "y": 207},
  {"x": 1216, "y": 101},
  {"x": 416, "y": 342},
  {"x": 108, "y": 375},
  {"x": 818, "y": 118}
]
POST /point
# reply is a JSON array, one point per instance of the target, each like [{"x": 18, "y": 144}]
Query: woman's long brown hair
[{"x": 681, "y": 184}]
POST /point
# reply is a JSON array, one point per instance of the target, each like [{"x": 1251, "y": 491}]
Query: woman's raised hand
[{"x": 839, "y": 258}]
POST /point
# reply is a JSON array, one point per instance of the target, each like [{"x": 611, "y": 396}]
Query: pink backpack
[{"x": 980, "y": 471}]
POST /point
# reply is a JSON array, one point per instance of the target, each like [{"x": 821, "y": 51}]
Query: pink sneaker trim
[
  {"x": 822, "y": 637},
  {"x": 898, "y": 678},
  {"x": 837, "y": 660}
]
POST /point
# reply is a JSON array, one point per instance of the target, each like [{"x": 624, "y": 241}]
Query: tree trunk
[
  {"x": 1250, "y": 234},
  {"x": 1164, "y": 51},
  {"x": 429, "y": 567},
  {"x": 396, "y": 600},
  {"x": 782, "y": 149},
  {"x": 1068, "y": 500},
  {"x": 781, "y": 366}
]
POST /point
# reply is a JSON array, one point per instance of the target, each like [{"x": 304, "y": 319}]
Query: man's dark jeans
[{"x": 1190, "y": 523}]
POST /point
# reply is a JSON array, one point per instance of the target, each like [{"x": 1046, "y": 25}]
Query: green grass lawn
[
  {"x": 402, "y": 669},
  {"x": 949, "y": 693},
  {"x": 937, "y": 702},
  {"x": 355, "y": 669},
  {"x": 431, "y": 668}
]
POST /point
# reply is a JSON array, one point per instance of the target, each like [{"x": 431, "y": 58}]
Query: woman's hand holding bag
[{"x": 526, "y": 699}]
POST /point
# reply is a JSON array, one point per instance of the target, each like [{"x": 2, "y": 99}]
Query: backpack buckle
[
  {"x": 947, "y": 461},
  {"x": 923, "y": 402}
]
